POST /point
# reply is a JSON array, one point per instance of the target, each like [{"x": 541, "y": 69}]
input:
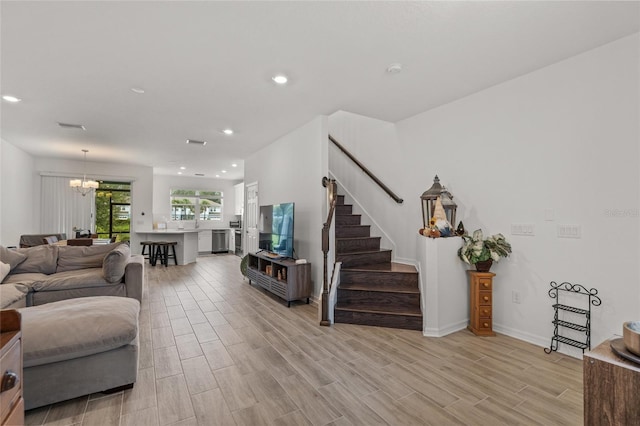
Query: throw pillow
[
  {"x": 71, "y": 258},
  {"x": 115, "y": 262},
  {"x": 41, "y": 259},
  {"x": 12, "y": 257},
  {"x": 4, "y": 270}
]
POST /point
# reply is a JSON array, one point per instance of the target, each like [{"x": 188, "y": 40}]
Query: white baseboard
[
  {"x": 404, "y": 261},
  {"x": 443, "y": 331},
  {"x": 543, "y": 342}
]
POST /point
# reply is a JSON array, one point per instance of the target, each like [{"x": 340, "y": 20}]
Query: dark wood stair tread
[
  {"x": 364, "y": 252},
  {"x": 383, "y": 267},
  {"x": 372, "y": 310},
  {"x": 347, "y": 226},
  {"x": 378, "y": 289},
  {"x": 356, "y": 238}
]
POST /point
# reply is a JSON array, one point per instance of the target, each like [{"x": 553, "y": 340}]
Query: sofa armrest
[{"x": 134, "y": 277}]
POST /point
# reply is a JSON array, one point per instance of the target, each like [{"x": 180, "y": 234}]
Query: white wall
[
  {"x": 291, "y": 170},
  {"x": 18, "y": 213},
  {"x": 141, "y": 187},
  {"x": 162, "y": 185},
  {"x": 563, "y": 138},
  {"x": 375, "y": 144}
]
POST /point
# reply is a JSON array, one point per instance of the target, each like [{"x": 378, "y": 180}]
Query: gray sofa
[
  {"x": 49, "y": 273},
  {"x": 77, "y": 337},
  {"x": 78, "y": 347},
  {"x": 31, "y": 240}
]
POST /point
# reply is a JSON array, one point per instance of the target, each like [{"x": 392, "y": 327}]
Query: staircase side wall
[{"x": 375, "y": 144}]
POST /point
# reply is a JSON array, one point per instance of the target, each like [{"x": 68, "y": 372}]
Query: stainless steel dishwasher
[{"x": 219, "y": 241}]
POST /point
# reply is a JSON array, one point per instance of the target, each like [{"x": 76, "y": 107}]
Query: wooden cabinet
[
  {"x": 611, "y": 386},
  {"x": 481, "y": 303},
  {"x": 283, "y": 277},
  {"x": 11, "y": 402}
]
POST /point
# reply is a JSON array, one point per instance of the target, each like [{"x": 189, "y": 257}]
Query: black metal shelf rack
[{"x": 579, "y": 313}]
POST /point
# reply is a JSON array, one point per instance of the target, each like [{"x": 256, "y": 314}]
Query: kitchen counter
[
  {"x": 187, "y": 239},
  {"x": 168, "y": 231},
  {"x": 182, "y": 231}
]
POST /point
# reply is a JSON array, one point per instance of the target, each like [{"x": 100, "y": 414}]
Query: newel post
[{"x": 331, "y": 186}]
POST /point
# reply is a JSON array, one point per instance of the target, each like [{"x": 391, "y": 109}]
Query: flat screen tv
[{"x": 276, "y": 229}]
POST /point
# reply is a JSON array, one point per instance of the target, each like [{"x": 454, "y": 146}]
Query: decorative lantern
[
  {"x": 428, "y": 199},
  {"x": 449, "y": 206}
]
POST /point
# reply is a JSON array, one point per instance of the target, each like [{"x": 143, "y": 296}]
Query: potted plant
[{"x": 482, "y": 252}]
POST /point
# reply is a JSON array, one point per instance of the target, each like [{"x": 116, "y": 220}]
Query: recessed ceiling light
[
  {"x": 234, "y": 165},
  {"x": 179, "y": 173},
  {"x": 227, "y": 131},
  {"x": 223, "y": 171},
  {"x": 137, "y": 90},
  {"x": 182, "y": 167},
  {"x": 217, "y": 175},
  {"x": 10, "y": 98},
  {"x": 280, "y": 79},
  {"x": 394, "y": 68},
  {"x": 195, "y": 142},
  {"x": 72, "y": 126}
]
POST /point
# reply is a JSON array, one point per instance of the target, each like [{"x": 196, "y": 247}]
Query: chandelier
[{"x": 84, "y": 186}]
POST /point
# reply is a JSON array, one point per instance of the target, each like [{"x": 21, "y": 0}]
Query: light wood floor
[{"x": 216, "y": 351}]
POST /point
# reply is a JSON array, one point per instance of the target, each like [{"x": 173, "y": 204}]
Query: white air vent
[
  {"x": 72, "y": 126},
  {"x": 195, "y": 142}
]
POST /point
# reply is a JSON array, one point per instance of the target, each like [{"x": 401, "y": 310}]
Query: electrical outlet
[
  {"x": 515, "y": 296},
  {"x": 549, "y": 215}
]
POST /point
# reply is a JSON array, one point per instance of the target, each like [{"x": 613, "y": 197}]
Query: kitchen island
[{"x": 187, "y": 239}]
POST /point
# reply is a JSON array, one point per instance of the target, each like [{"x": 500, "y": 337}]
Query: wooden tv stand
[{"x": 283, "y": 277}]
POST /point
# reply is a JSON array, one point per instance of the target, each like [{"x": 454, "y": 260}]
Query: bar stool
[
  {"x": 148, "y": 250},
  {"x": 162, "y": 252}
]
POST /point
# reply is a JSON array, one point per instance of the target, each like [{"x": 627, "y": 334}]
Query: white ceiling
[{"x": 206, "y": 66}]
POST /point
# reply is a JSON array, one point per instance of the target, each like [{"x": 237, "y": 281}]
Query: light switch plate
[
  {"x": 527, "y": 229},
  {"x": 569, "y": 231}
]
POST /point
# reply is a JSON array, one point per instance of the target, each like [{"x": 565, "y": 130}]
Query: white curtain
[{"x": 63, "y": 209}]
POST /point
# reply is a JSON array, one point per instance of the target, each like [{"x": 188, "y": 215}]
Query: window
[
  {"x": 210, "y": 205},
  {"x": 113, "y": 210},
  {"x": 191, "y": 204}
]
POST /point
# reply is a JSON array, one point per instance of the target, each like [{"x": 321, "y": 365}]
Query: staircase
[{"x": 373, "y": 290}]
